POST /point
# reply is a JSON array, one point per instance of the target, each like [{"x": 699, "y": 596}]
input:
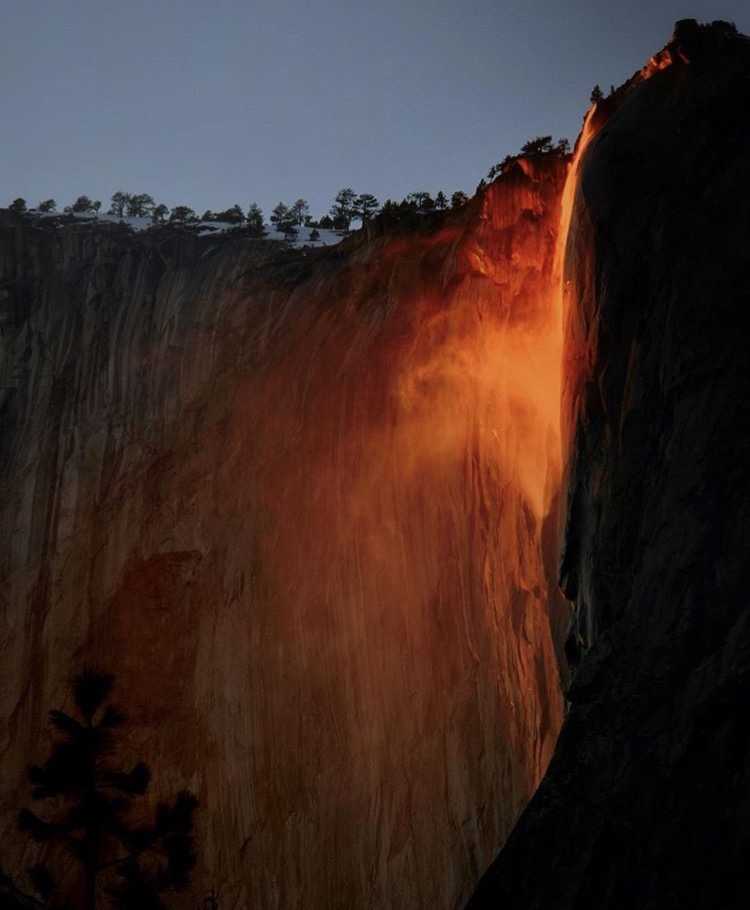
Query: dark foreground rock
[{"x": 646, "y": 803}]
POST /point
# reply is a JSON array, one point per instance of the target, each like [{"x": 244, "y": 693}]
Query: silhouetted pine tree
[
  {"x": 365, "y": 207},
  {"x": 341, "y": 211},
  {"x": 541, "y": 145},
  {"x": 130, "y": 863},
  {"x": 255, "y": 220}
]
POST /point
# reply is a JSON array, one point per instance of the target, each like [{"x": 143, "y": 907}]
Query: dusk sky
[{"x": 215, "y": 103}]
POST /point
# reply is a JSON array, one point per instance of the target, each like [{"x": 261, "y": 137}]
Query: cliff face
[
  {"x": 298, "y": 505},
  {"x": 645, "y": 803}
]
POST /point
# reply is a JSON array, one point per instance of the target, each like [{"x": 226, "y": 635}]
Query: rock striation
[
  {"x": 647, "y": 799},
  {"x": 302, "y": 505}
]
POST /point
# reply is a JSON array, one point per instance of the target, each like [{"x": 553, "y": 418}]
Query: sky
[{"x": 219, "y": 102}]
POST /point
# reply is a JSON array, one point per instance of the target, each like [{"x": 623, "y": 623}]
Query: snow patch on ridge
[{"x": 203, "y": 228}]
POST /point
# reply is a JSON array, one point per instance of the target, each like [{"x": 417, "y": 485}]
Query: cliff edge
[
  {"x": 298, "y": 503},
  {"x": 646, "y": 802}
]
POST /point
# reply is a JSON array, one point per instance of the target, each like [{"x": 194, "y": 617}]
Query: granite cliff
[
  {"x": 302, "y": 505},
  {"x": 312, "y": 509},
  {"x": 646, "y": 801}
]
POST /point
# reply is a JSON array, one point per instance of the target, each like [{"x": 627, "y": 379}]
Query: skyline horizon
[{"x": 204, "y": 174}]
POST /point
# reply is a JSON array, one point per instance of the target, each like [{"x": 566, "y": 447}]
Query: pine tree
[
  {"x": 234, "y": 215},
  {"x": 83, "y": 205},
  {"x": 538, "y": 146},
  {"x": 423, "y": 202},
  {"x": 458, "y": 199},
  {"x": 128, "y": 865},
  {"x": 48, "y": 205},
  {"x": 255, "y": 220},
  {"x": 596, "y": 94},
  {"x": 441, "y": 201},
  {"x": 118, "y": 203},
  {"x": 364, "y": 207},
  {"x": 300, "y": 210},
  {"x": 140, "y": 205},
  {"x": 502, "y": 167},
  {"x": 280, "y": 216},
  {"x": 341, "y": 211},
  {"x": 18, "y": 206},
  {"x": 159, "y": 214},
  {"x": 181, "y": 214}
]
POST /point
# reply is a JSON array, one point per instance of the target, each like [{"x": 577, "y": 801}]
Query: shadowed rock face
[
  {"x": 647, "y": 800},
  {"x": 296, "y": 503}
]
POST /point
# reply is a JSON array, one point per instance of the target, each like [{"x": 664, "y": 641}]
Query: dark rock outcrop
[{"x": 646, "y": 803}]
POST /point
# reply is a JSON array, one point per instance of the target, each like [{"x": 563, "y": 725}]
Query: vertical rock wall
[
  {"x": 645, "y": 803},
  {"x": 297, "y": 504}
]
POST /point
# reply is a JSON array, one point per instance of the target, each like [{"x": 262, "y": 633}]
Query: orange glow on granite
[
  {"x": 334, "y": 558},
  {"x": 404, "y": 449}
]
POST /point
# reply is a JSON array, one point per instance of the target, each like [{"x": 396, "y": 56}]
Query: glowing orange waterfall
[{"x": 571, "y": 251}]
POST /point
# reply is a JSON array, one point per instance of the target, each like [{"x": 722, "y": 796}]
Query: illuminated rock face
[
  {"x": 297, "y": 505},
  {"x": 646, "y": 801}
]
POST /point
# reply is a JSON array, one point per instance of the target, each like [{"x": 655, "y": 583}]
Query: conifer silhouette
[{"x": 124, "y": 863}]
